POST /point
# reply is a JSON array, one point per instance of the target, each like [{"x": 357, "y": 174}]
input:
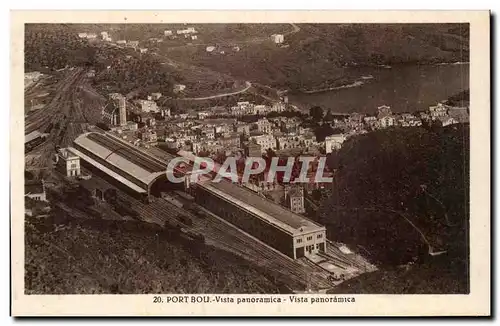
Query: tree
[{"x": 316, "y": 113}]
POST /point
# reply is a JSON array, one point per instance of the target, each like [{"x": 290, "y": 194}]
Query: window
[
  {"x": 309, "y": 238},
  {"x": 320, "y": 236},
  {"x": 317, "y": 246},
  {"x": 73, "y": 165},
  {"x": 299, "y": 240}
]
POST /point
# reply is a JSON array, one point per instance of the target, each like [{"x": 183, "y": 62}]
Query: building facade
[{"x": 68, "y": 163}]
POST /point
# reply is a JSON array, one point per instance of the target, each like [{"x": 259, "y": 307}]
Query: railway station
[
  {"x": 114, "y": 159},
  {"x": 144, "y": 175},
  {"x": 290, "y": 233}
]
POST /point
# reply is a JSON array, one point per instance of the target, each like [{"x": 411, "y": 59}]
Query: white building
[
  {"x": 263, "y": 125},
  {"x": 179, "y": 88},
  {"x": 265, "y": 141},
  {"x": 35, "y": 190},
  {"x": 387, "y": 121},
  {"x": 121, "y": 42},
  {"x": 334, "y": 142},
  {"x": 438, "y": 111},
  {"x": 278, "y": 38},
  {"x": 168, "y": 33},
  {"x": 189, "y": 30},
  {"x": 210, "y": 48},
  {"x": 147, "y": 106},
  {"x": 68, "y": 163}
]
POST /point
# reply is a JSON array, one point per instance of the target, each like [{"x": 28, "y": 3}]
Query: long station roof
[
  {"x": 121, "y": 156},
  {"x": 273, "y": 213}
]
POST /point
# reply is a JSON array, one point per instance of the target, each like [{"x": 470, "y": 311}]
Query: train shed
[
  {"x": 124, "y": 164},
  {"x": 292, "y": 234}
]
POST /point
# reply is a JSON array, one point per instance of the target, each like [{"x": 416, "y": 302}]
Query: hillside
[
  {"x": 402, "y": 196},
  {"x": 80, "y": 256},
  {"x": 318, "y": 53}
]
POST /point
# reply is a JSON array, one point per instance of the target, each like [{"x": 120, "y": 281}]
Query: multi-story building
[
  {"x": 242, "y": 128},
  {"x": 437, "y": 111},
  {"x": 334, "y": 142},
  {"x": 67, "y": 162},
  {"x": 179, "y": 88},
  {"x": 289, "y": 142},
  {"x": 387, "y": 121},
  {"x": 278, "y": 38},
  {"x": 208, "y": 132},
  {"x": 264, "y": 126},
  {"x": 383, "y": 111},
  {"x": 115, "y": 110},
  {"x": 147, "y": 106},
  {"x": 265, "y": 141},
  {"x": 252, "y": 149}
]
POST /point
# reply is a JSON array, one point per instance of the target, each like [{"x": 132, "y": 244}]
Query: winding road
[{"x": 247, "y": 87}]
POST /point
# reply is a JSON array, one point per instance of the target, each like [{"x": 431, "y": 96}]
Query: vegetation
[
  {"x": 70, "y": 255},
  {"x": 461, "y": 99},
  {"x": 318, "y": 53},
  {"x": 49, "y": 46},
  {"x": 401, "y": 194}
]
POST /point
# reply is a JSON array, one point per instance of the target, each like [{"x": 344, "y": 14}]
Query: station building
[
  {"x": 280, "y": 228},
  {"x": 115, "y": 160}
]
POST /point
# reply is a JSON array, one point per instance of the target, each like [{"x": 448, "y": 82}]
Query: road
[{"x": 247, "y": 87}]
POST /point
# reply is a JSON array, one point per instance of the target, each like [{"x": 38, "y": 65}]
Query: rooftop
[
  {"x": 32, "y": 136},
  {"x": 121, "y": 155},
  {"x": 265, "y": 208}
]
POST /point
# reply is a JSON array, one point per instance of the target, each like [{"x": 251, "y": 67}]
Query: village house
[
  {"x": 252, "y": 149},
  {"x": 242, "y": 108},
  {"x": 132, "y": 44},
  {"x": 383, "y": 111},
  {"x": 261, "y": 109},
  {"x": 242, "y": 128},
  {"x": 438, "y": 111},
  {"x": 446, "y": 120},
  {"x": 265, "y": 141},
  {"x": 264, "y": 126},
  {"x": 67, "y": 163},
  {"x": 289, "y": 124},
  {"x": 386, "y": 121},
  {"x": 208, "y": 132},
  {"x": 165, "y": 112},
  {"x": 179, "y": 88},
  {"x": 289, "y": 142},
  {"x": 148, "y": 136},
  {"x": 204, "y": 115},
  {"x": 224, "y": 129},
  {"x": 278, "y": 107},
  {"x": 168, "y": 33},
  {"x": 147, "y": 106},
  {"x": 189, "y": 30},
  {"x": 294, "y": 199},
  {"x": 370, "y": 122},
  {"x": 278, "y": 38},
  {"x": 334, "y": 142},
  {"x": 231, "y": 141},
  {"x": 35, "y": 190}
]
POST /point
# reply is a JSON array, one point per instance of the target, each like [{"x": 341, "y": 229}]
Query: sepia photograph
[{"x": 191, "y": 160}]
